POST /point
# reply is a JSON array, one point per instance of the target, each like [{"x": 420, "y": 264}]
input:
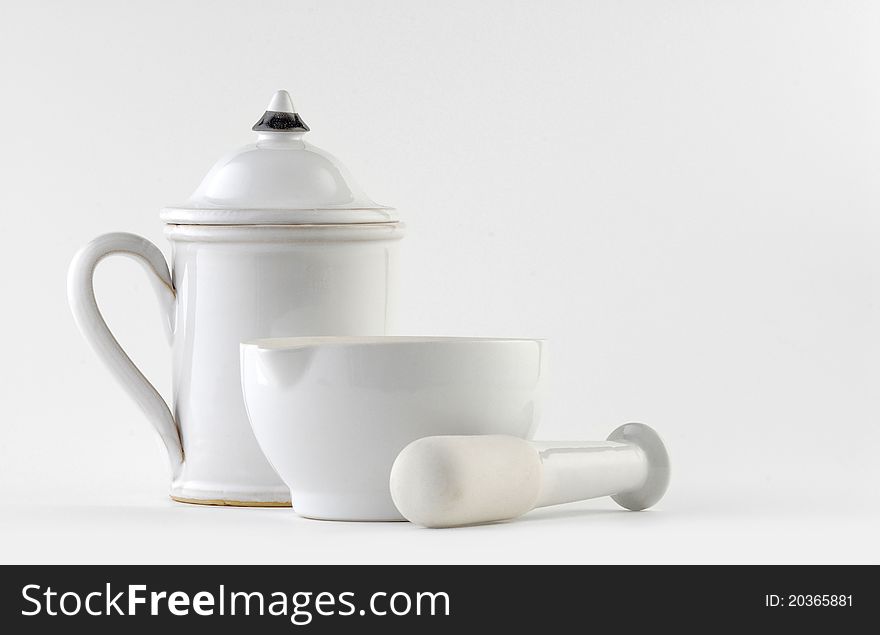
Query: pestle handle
[
  {"x": 447, "y": 481},
  {"x": 631, "y": 466}
]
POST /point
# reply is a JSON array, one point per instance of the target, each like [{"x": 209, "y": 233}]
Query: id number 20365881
[{"x": 817, "y": 599}]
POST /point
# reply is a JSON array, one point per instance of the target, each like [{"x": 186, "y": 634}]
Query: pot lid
[{"x": 279, "y": 179}]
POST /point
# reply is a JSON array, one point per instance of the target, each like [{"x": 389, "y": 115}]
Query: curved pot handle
[{"x": 81, "y": 295}]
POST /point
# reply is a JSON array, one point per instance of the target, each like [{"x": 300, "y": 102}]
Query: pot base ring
[{"x": 220, "y": 502}]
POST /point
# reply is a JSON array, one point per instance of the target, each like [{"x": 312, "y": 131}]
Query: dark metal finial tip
[{"x": 281, "y": 115}]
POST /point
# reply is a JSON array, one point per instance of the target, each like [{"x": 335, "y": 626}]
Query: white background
[{"x": 684, "y": 197}]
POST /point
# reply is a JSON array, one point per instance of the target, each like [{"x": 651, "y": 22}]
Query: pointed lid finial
[{"x": 281, "y": 116}]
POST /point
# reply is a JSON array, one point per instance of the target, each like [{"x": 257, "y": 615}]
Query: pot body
[{"x": 234, "y": 283}]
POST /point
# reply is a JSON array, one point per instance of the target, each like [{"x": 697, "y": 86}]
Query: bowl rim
[{"x": 311, "y": 341}]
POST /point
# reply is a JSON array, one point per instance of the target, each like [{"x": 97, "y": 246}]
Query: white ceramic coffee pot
[{"x": 277, "y": 240}]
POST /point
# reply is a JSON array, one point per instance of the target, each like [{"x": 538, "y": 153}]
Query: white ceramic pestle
[{"x": 448, "y": 481}]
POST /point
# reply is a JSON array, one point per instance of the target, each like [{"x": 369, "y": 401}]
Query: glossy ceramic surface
[
  {"x": 265, "y": 254},
  {"x": 332, "y": 414},
  {"x": 280, "y": 179},
  {"x": 223, "y": 289}
]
